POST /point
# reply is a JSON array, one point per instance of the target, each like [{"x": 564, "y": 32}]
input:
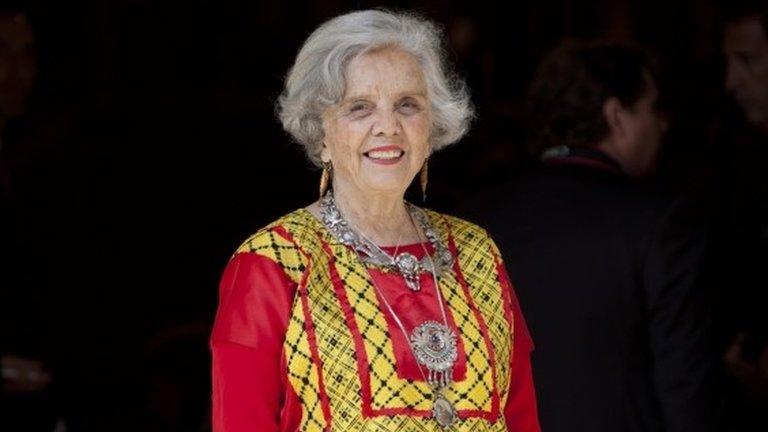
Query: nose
[{"x": 386, "y": 124}]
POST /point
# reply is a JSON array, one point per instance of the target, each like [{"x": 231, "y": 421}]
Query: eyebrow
[{"x": 369, "y": 96}]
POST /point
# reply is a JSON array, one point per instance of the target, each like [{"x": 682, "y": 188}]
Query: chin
[
  {"x": 387, "y": 185},
  {"x": 388, "y": 179},
  {"x": 389, "y": 189}
]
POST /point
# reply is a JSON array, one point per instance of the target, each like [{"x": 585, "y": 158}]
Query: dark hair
[
  {"x": 737, "y": 10},
  {"x": 573, "y": 82}
]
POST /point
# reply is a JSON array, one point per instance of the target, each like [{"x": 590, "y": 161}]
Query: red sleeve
[
  {"x": 520, "y": 411},
  {"x": 250, "y": 389}
]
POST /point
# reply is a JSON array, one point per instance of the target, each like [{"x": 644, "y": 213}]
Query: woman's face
[{"x": 377, "y": 137}]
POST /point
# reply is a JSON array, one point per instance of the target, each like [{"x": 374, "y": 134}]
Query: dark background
[{"x": 151, "y": 149}]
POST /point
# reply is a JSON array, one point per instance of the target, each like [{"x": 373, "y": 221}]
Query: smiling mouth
[{"x": 384, "y": 155}]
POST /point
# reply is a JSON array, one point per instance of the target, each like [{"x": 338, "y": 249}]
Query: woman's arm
[
  {"x": 520, "y": 411},
  {"x": 250, "y": 388}
]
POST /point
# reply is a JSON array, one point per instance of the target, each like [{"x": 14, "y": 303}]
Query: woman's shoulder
[
  {"x": 284, "y": 232},
  {"x": 457, "y": 227},
  {"x": 472, "y": 242},
  {"x": 275, "y": 247},
  {"x": 262, "y": 275}
]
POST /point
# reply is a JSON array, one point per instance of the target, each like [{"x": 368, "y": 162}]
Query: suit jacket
[{"x": 609, "y": 274}]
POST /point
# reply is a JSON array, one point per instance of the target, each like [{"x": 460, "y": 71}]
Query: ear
[
  {"x": 325, "y": 154},
  {"x": 613, "y": 112}
]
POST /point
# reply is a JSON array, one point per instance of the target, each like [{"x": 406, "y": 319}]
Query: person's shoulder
[
  {"x": 281, "y": 234},
  {"x": 651, "y": 201},
  {"x": 459, "y": 228},
  {"x": 471, "y": 241}
]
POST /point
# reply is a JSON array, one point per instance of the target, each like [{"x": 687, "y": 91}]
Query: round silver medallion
[{"x": 434, "y": 345}]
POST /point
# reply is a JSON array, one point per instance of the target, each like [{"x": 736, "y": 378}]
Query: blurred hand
[{"x": 23, "y": 375}]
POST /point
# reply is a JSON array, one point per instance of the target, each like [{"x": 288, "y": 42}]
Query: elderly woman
[{"x": 362, "y": 311}]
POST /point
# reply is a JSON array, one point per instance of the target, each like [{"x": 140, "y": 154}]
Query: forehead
[
  {"x": 386, "y": 70},
  {"x": 746, "y": 34}
]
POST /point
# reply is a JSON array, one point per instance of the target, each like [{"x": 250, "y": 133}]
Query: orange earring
[
  {"x": 325, "y": 178},
  {"x": 423, "y": 179}
]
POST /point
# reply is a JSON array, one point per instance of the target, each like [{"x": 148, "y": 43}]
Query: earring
[
  {"x": 325, "y": 177},
  {"x": 423, "y": 179}
]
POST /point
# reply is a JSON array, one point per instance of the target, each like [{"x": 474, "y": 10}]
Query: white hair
[{"x": 317, "y": 79}]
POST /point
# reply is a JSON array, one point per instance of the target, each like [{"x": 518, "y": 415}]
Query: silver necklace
[
  {"x": 433, "y": 344},
  {"x": 404, "y": 263}
]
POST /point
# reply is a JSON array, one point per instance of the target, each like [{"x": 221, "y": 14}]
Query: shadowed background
[{"x": 150, "y": 149}]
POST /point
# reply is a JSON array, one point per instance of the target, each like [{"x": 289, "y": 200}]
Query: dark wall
[{"x": 151, "y": 150}]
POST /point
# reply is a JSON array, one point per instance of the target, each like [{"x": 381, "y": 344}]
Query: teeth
[{"x": 388, "y": 154}]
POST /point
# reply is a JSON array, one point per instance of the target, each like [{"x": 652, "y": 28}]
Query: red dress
[{"x": 251, "y": 386}]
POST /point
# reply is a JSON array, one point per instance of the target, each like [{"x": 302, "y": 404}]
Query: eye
[
  {"x": 359, "y": 109},
  {"x": 409, "y": 106}
]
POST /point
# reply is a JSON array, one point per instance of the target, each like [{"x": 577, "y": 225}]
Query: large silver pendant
[
  {"x": 434, "y": 345},
  {"x": 443, "y": 412}
]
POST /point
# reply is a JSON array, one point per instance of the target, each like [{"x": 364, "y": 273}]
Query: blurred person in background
[
  {"x": 608, "y": 271},
  {"x": 362, "y": 311},
  {"x": 745, "y": 46},
  {"x": 745, "y": 208},
  {"x": 27, "y": 400}
]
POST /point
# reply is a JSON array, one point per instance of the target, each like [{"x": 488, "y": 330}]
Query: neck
[{"x": 382, "y": 218}]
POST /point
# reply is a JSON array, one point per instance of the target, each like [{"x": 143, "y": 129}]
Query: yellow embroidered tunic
[{"x": 302, "y": 340}]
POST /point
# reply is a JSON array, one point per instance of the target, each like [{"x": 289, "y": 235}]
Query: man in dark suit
[{"x": 607, "y": 271}]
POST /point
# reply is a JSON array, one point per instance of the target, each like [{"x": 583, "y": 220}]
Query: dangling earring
[
  {"x": 325, "y": 177},
  {"x": 423, "y": 179}
]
